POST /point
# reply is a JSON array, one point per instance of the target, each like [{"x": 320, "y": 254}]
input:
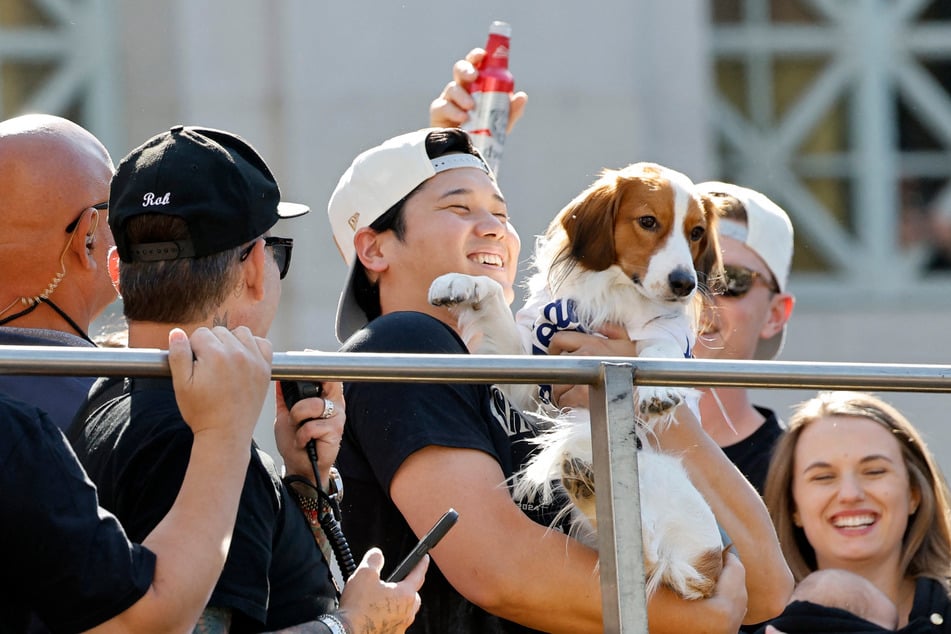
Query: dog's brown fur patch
[{"x": 709, "y": 565}]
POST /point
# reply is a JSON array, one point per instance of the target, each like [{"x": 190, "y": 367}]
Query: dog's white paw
[
  {"x": 654, "y": 401},
  {"x": 454, "y": 289}
]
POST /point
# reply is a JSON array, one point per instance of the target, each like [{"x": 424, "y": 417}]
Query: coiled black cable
[
  {"x": 330, "y": 522},
  {"x": 293, "y": 391}
]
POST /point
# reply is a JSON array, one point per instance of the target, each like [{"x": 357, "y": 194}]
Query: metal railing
[{"x": 612, "y": 413}]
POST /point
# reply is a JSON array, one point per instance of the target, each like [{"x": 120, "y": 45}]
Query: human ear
[
  {"x": 112, "y": 262},
  {"x": 369, "y": 248},
  {"x": 915, "y": 500},
  {"x": 254, "y": 271},
  {"x": 780, "y": 310},
  {"x": 88, "y": 224}
]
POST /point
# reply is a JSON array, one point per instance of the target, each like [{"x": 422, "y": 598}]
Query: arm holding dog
[
  {"x": 499, "y": 565},
  {"x": 739, "y": 510},
  {"x": 734, "y": 501},
  {"x": 668, "y": 613},
  {"x": 509, "y": 566}
]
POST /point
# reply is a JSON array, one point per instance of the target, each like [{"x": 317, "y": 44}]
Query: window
[
  {"x": 57, "y": 57},
  {"x": 840, "y": 111}
]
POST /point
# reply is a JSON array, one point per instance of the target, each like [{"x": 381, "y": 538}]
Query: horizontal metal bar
[{"x": 50, "y": 360}]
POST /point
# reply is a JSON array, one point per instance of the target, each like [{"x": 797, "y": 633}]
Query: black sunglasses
[
  {"x": 72, "y": 226},
  {"x": 281, "y": 247},
  {"x": 738, "y": 280}
]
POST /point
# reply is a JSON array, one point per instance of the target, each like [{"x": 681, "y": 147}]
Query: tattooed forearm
[{"x": 214, "y": 621}]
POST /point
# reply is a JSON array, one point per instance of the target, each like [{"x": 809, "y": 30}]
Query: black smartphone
[
  {"x": 293, "y": 391},
  {"x": 430, "y": 539}
]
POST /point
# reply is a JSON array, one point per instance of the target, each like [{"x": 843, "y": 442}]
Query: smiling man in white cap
[
  {"x": 747, "y": 320},
  {"x": 407, "y": 211}
]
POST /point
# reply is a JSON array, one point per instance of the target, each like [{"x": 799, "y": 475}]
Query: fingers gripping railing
[{"x": 612, "y": 414}]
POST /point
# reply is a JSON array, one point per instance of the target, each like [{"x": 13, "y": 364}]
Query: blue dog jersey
[{"x": 560, "y": 315}]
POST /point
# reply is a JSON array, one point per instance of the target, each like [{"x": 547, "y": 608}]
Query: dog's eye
[
  {"x": 648, "y": 222},
  {"x": 697, "y": 233}
]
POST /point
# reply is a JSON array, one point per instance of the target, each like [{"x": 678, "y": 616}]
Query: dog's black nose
[{"x": 682, "y": 282}]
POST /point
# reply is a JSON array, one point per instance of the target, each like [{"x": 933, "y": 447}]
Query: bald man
[{"x": 54, "y": 241}]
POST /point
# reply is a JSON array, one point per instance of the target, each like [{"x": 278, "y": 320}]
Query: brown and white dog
[{"x": 632, "y": 249}]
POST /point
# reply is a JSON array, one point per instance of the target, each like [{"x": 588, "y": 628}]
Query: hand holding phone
[{"x": 428, "y": 541}]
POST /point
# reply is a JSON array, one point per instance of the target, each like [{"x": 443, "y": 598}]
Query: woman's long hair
[{"x": 926, "y": 546}]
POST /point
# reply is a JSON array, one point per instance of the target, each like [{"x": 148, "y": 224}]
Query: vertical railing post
[{"x": 623, "y": 593}]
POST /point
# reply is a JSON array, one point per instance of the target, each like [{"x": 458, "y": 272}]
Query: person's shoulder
[
  {"x": 20, "y": 419},
  {"x": 41, "y": 337},
  {"x": 406, "y": 331},
  {"x": 28, "y": 437},
  {"x": 931, "y": 600},
  {"x": 772, "y": 426},
  {"x": 13, "y": 407}
]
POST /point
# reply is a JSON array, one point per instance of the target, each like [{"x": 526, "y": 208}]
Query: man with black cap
[{"x": 191, "y": 211}]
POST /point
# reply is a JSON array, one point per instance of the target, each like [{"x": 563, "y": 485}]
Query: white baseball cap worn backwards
[
  {"x": 376, "y": 180},
  {"x": 768, "y": 233}
]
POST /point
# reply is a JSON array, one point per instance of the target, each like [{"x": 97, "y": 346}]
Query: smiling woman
[{"x": 852, "y": 486}]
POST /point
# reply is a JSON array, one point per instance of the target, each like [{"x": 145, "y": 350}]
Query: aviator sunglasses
[
  {"x": 281, "y": 247},
  {"x": 738, "y": 280}
]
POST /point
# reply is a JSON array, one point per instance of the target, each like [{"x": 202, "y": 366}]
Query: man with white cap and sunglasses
[
  {"x": 747, "y": 320},
  {"x": 405, "y": 212}
]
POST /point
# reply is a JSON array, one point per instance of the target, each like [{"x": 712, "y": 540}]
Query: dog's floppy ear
[
  {"x": 709, "y": 260},
  {"x": 588, "y": 222}
]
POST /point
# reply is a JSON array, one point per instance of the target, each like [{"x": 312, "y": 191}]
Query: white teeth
[
  {"x": 486, "y": 258},
  {"x": 854, "y": 520}
]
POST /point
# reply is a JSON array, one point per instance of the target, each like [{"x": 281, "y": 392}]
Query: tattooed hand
[{"x": 371, "y": 606}]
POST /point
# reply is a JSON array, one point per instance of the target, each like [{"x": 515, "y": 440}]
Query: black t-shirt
[
  {"x": 136, "y": 447},
  {"x": 386, "y": 422},
  {"x": 752, "y": 454},
  {"x": 930, "y": 614},
  {"x": 66, "y": 559}
]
